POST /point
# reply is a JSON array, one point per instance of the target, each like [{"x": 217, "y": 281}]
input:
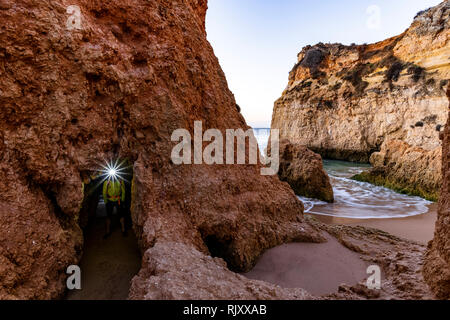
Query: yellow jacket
[{"x": 113, "y": 191}]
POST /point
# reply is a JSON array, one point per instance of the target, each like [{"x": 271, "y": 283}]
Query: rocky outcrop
[
  {"x": 177, "y": 271},
  {"x": 349, "y": 102},
  {"x": 437, "y": 260},
  {"x": 303, "y": 170},
  {"x": 119, "y": 84},
  {"x": 406, "y": 169},
  {"x": 400, "y": 262},
  {"x": 37, "y": 240}
]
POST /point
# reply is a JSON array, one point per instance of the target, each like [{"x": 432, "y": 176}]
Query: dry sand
[
  {"x": 318, "y": 268},
  {"x": 321, "y": 268}
]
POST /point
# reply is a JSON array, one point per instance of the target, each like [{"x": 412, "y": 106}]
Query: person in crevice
[{"x": 114, "y": 197}]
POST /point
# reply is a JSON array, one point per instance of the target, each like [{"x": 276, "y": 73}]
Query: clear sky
[{"x": 257, "y": 41}]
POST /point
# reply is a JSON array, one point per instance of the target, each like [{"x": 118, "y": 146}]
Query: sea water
[
  {"x": 262, "y": 137},
  {"x": 354, "y": 199}
]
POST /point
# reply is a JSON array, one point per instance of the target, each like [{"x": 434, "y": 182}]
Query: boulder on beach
[
  {"x": 303, "y": 170},
  {"x": 89, "y": 81}
]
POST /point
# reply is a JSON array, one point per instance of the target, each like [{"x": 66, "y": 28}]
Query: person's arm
[
  {"x": 105, "y": 189},
  {"x": 123, "y": 190}
]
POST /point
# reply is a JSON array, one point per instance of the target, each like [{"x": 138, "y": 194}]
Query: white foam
[
  {"x": 354, "y": 199},
  {"x": 361, "y": 200}
]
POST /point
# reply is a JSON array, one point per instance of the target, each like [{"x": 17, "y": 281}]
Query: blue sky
[{"x": 257, "y": 41}]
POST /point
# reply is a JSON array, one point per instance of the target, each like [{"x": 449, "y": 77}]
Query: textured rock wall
[
  {"x": 407, "y": 169},
  {"x": 70, "y": 99},
  {"x": 176, "y": 271},
  {"x": 303, "y": 170},
  {"x": 347, "y": 102},
  {"x": 437, "y": 261}
]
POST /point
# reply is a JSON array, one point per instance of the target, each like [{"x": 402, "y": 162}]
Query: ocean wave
[
  {"x": 355, "y": 199},
  {"x": 361, "y": 200}
]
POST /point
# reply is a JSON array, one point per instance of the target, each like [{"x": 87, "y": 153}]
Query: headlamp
[
  {"x": 113, "y": 170},
  {"x": 112, "y": 173}
]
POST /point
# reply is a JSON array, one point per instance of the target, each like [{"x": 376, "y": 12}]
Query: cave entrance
[
  {"x": 217, "y": 248},
  {"x": 108, "y": 264},
  {"x": 220, "y": 247}
]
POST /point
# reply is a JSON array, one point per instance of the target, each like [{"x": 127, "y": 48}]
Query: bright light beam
[{"x": 113, "y": 171}]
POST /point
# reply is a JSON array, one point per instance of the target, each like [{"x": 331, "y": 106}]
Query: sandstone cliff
[
  {"x": 437, "y": 261},
  {"x": 120, "y": 84},
  {"x": 134, "y": 72},
  {"x": 362, "y": 102}
]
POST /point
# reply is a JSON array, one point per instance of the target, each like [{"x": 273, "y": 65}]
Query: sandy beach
[
  {"x": 321, "y": 268},
  {"x": 318, "y": 268},
  {"x": 418, "y": 228}
]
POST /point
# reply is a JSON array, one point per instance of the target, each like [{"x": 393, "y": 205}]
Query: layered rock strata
[
  {"x": 118, "y": 84},
  {"x": 350, "y": 102}
]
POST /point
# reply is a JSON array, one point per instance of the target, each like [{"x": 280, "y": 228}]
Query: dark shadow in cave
[
  {"x": 217, "y": 248},
  {"x": 220, "y": 247},
  {"x": 107, "y": 265}
]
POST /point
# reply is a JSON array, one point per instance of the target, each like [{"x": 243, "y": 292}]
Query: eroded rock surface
[
  {"x": 437, "y": 261},
  {"x": 176, "y": 271},
  {"x": 407, "y": 169},
  {"x": 134, "y": 72},
  {"x": 399, "y": 260},
  {"x": 121, "y": 84},
  {"x": 303, "y": 170},
  {"x": 347, "y": 102}
]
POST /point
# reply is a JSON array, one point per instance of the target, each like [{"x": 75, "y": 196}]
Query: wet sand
[
  {"x": 318, "y": 268},
  {"x": 107, "y": 265},
  {"x": 418, "y": 228}
]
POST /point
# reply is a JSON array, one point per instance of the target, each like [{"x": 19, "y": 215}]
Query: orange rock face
[
  {"x": 120, "y": 82},
  {"x": 437, "y": 261}
]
